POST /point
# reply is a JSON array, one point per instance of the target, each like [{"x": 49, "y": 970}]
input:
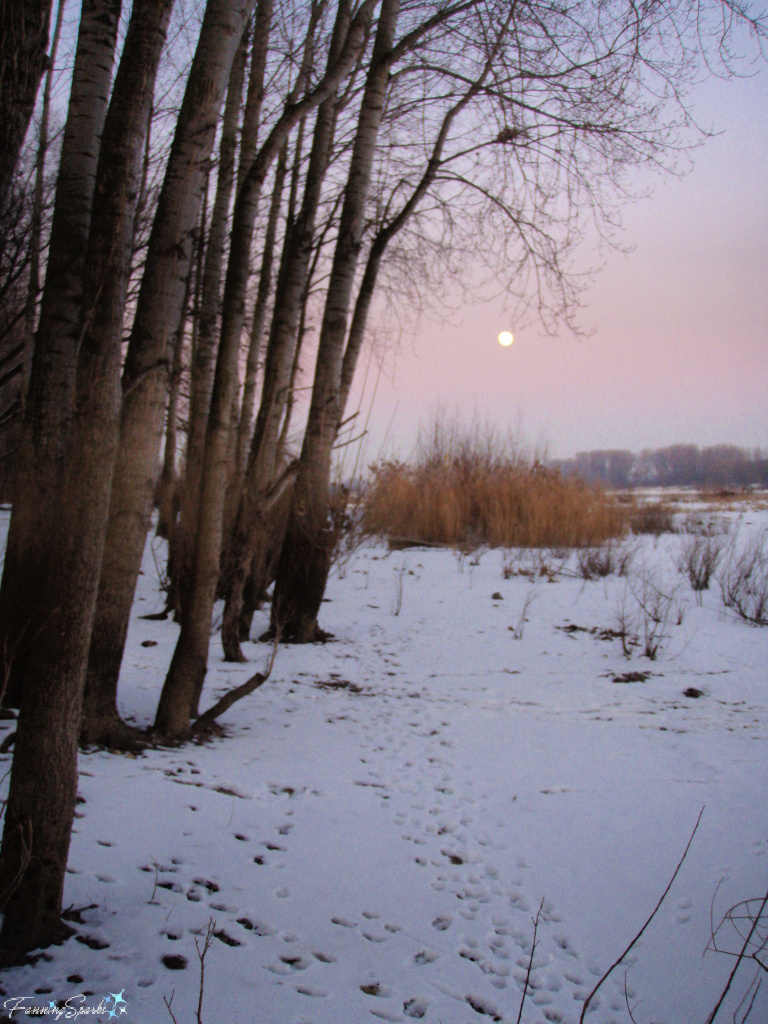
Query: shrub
[
  {"x": 647, "y": 607},
  {"x": 743, "y": 579},
  {"x": 594, "y": 563},
  {"x": 699, "y": 558},
  {"x": 653, "y": 517},
  {"x": 472, "y": 491}
]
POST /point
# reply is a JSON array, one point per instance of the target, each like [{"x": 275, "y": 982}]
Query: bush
[
  {"x": 653, "y": 517},
  {"x": 699, "y": 558},
  {"x": 743, "y": 579},
  {"x": 469, "y": 490},
  {"x": 596, "y": 562}
]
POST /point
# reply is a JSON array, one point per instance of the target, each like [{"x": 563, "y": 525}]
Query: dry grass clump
[
  {"x": 652, "y": 517},
  {"x": 467, "y": 491}
]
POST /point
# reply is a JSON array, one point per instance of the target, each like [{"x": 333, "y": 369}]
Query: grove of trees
[
  {"x": 235, "y": 183},
  {"x": 678, "y": 465}
]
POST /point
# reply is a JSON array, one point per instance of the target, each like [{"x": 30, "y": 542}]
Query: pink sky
[{"x": 679, "y": 351}]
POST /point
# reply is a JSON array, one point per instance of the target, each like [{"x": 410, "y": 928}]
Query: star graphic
[
  {"x": 118, "y": 997},
  {"x": 52, "y": 1005}
]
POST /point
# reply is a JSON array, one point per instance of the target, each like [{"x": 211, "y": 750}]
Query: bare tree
[
  {"x": 284, "y": 334},
  {"x": 188, "y": 666},
  {"x": 574, "y": 97},
  {"x": 43, "y": 786},
  {"x": 145, "y": 373},
  {"x": 49, "y": 402}
]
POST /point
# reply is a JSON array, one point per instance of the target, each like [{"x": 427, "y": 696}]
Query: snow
[{"x": 376, "y": 833}]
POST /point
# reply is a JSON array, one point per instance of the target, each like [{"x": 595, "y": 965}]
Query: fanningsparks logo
[{"x": 110, "y": 1006}]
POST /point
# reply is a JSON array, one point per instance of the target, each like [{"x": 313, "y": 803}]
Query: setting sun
[{"x": 506, "y": 338}]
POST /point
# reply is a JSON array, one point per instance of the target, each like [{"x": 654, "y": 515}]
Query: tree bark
[
  {"x": 36, "y": 231},
  {"x": 205, "y": 345},
  {"x": 291, "y": 287},
  {"x": 145, "y": 374},
  {"x": 48, "y": 407},
  {"x": 245, "y": 424},
  {"x": 188, "y": 666},
  {"x": 305, "y": 559},
  {"x": 168, "y": 490},
  {"x": 23, "y": 57},
  {"x": 43, "y": 786}
]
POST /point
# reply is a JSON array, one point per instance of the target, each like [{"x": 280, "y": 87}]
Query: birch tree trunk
[
  {"x": 48, "y": 406},
  {"x": 43, "y": 786},
  {"x": 304, "y": 563},
  {"x": 188, "y": 666},
  {"x": 145, "y": 374}
]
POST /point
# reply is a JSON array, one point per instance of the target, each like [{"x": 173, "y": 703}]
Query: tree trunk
[
  {"x": 185, "y": 676},
  {"x": 48, "y": 407},
  {"x": 23, "y": 57},
  {"x": 43, "y": 786},
  {"x": 245, "y": 424},
  {"x": 158, "y": 311},
  {"x": 168, "y": 496},
  {"x": 305, "y": 559},
  {"x": 36, "y": 228},
  {"x": 291, "y": 286},
  {"x": 205, "y": 345}
]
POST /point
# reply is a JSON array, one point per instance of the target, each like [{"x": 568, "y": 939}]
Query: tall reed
[{"x": 467, "y": 488}]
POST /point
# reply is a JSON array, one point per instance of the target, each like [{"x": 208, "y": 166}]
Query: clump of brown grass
[
  {"x": 466, "y": 490},
  {"x": 653, "y": 517}
]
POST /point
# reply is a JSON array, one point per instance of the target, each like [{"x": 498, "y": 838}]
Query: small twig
[
  {"x": 154, "y": 889},
  {"x": 636, "y": 939},
  {"x": 626, "y": 998},
  {"x": 740, "y": 957},
  {"x": 168, "y": 1006},
  {"x": 530, "y": 961},
  {"x": 202, "y": 954}
]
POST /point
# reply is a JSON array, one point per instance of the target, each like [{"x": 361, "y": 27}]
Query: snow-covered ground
[{"x": 375, "y": 835}]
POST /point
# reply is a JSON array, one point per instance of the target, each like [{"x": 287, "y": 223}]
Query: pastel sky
[{"x": 679, "y": 351}]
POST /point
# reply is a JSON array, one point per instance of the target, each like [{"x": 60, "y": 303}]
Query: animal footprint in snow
[
  {"x": 374, "y": 988},
  {"x": 484, "y": 1007},
  {"x": 683, "y": 906},
  {"x": 416, "y": 1008},
  {"x": 257, "y": 927},
  {"x": 442, "y": 922},
  {"x": 343, "y": 922},
  {"x": 425, "y": 956},
  {"x": 519, "y": 902},
  {"x": 311, "y": 990},
  {"x": 296, "y": 963}
]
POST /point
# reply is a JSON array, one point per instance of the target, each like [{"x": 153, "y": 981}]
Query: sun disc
[{"x": 506, "y": 338}]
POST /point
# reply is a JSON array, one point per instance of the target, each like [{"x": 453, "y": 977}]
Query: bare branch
[{"x": 636, "y": 939}]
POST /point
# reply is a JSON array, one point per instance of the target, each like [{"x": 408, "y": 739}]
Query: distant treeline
[{"x": 680, "y": 465}]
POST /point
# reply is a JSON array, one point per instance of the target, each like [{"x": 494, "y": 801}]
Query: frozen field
[{"x": 388, "y": 813}]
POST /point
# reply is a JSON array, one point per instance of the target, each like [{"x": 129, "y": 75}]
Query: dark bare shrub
[
  {"x": 699, "y": 558},
  {"x": 743, "y": 578}
]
